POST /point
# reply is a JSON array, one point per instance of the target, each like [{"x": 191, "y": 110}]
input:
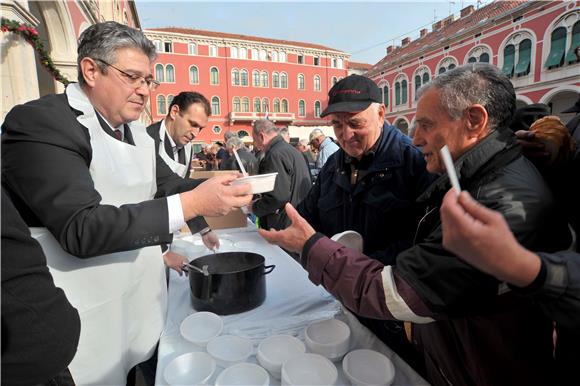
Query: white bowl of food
[
  {"x": 193, "y": 368},
  {"x": 277, "y": 349},
  {"x": 260, "y": 183},
  {"x": 309, "y": 369},
  {"x": 368, "y": 367},
  {"x": 201, "y": 327},
  {"x": 243, "y": 374},
  {"x": 330, "y": 338},
  {"x": 228, "y": 350}
]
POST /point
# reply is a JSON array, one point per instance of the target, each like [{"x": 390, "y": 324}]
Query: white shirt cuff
[{"x": 176, "y": 221}]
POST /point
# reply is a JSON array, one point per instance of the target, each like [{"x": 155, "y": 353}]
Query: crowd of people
[{"x": 475, "y": 287}]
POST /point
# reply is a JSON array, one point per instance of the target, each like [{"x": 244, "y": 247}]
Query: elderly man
[
  {"x": 79, "y": 166},
  {"x": 469, "y": 330},
  {"x": 292, "y": 182},
  {"x": 325, "y": 146},
  {"x": 248, "y": 160}
]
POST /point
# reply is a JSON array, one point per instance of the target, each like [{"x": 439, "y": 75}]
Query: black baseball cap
[{"x": 352, "y": 94}]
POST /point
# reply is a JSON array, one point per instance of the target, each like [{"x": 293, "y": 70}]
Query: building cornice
[{"x": 13, "y": 10}]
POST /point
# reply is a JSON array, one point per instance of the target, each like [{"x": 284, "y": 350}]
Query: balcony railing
[{"x": 253, "y": 116}]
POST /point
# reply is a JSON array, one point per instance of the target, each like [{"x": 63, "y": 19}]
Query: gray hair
[
  {"x": 102, "y": 40},
  {"x": 264, "y": 126},
  {"x": 235, "y": 142},
  {"x": 476, "y": 83},
  {"x": 304, "y": 142},
  {"x": 229, "y": 134},
  {"x": 284, "y": 131}
]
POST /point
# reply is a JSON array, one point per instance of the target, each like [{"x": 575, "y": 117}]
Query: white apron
[
  {"x": 179, "y": 169},
  {"x": 121, "y": 297}
]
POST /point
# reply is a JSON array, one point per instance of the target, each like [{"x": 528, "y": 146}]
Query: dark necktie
[
  {"x": 118, "y": 135},
  {"x": 181, "y": 155}
]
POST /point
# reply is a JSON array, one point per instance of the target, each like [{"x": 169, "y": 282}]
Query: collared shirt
[
  {"x": 174, "y": 147},
  {"x": 326, "y": 149},
  {"x": 121, "y": 127}
]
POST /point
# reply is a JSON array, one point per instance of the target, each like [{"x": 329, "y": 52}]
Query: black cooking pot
[{"x": 235, "y": 282}]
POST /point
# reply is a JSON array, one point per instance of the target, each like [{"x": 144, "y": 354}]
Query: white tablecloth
[{"x": 292, "y": 301}]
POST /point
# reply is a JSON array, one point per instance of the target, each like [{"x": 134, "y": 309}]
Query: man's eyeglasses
[{"x": 135, "y": 80}]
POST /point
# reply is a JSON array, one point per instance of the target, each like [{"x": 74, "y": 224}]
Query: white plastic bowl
[
  {"x": 368, "y": 367},
  {"x": 201, "y": 327},
  {"x": 330, "y": 338},
  {"x": 277, "y": 349},
  {"x": 309, "y": 369},
  {"x": 189, "y": 369},
  {"x": 243, "y": 374},
  {"x": 228, "y": 350},
  {"x": 260, "y": 183}
]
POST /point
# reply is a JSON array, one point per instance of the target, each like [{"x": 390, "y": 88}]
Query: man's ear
[
  {"x": 90, "y": 71},
  {"x": 173, "y": 112},
  {"x": 476, "y": 119}
]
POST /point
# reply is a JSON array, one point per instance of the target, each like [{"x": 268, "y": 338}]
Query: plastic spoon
[
  {"x": 240, "y": 163},
  {"x": 448, "y": 161}
]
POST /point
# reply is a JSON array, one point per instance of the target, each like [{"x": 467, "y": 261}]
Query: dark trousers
[{"x": 64, "y": 378}]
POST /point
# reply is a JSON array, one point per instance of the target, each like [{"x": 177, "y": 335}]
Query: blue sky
[{"x": 361, "y": 28}]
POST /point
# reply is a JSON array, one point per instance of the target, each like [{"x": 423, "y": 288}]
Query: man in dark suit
[{"x": 79, "y": 165}]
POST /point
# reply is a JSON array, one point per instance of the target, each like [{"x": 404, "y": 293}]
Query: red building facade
[
  {"x": 245, "y": 78},
  {"x": 532, "y": 42}
]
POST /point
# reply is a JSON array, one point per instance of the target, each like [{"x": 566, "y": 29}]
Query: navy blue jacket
[{"x": 381, "y": 206}]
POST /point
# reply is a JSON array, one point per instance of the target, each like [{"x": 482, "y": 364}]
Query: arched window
[
  {"x": 236, "y": 105},
  {"x": 264, "y": 76},
  {"x": 245, "y": 104},
  {"x": 265, "y": 105},
  {"x": 386, "y": 95},
  {"x": 284, "y": 106},
  {"x": 448, "y": 63},
  {"x": 256, "y": 78},
  {"x": 317, "y": 109},
  {"x": 169, "y": 100},
  {"x": 243, "y": 133},
  {"x": 276, "y": 105},
  {"x": 524, "y": 58},
  {"x": 284, "y": 80},
  {"x": 509, "y": 58},
  {"x": 161, "y": 107},
  {"x": 192, "y": 49},
  {"x": 215, "y": 106},
  {"x": 479, "y": 54},
  {"x": 214, "y": 76},
  {"x": 193, "y": 75},
  {"x": 275, "y": 80},
  {"x": 421, "y": 78},
  {"x": 300, "y": 82},
  {"x": 169, "y": 73},
  {"x": 557, "y": 48},
  {"x": 316, "y": 83},
  {"x": 301, "y": 108},
  {"x": 235, "y": 77},
  {"x": 243, "y": 53},
  {"x": 397, "y": 93},
  {"x": 233, "y": 52},
  {"x": 159, "y": 73},
  {"x": 244, "y": 77},
  {"x": 257, "y": 105},
  {"x": 404, "y": 91},
  {"x": 571, "y": 55}
]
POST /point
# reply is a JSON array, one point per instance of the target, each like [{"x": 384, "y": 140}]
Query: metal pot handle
[{"x": 269, "y": 268}]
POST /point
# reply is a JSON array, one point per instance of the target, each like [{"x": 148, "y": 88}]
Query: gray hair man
[
  {"x": 248, "y": 160},
  {"x": 457, "y": 314},
  {"x": 103, "y": 201},
  {"x": 325, "y": 146},
  {"x": 292, "y": 181}
]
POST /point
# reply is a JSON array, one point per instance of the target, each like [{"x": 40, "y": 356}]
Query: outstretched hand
[{"x": 295, "y": 236}]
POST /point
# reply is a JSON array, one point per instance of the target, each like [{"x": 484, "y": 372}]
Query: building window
[
  {"x": 421, "y": 78},
  {"x": 479, "y": 54},
  {"x": 263, "y": 55},
  {"x": 334, "y": 80},
  {"x": 284, "y": 80},
  {"x": 161, "y": 106},
  {"x": 317, "y": 109},
  {"x": 265, "y": 105},
  {"x": 334, "y": 62},
  {"x": 400, "y": 91},
  {"x": 236, "y": 104},
  {"x": 192, "y": 49},
  {"x": 158, "y": 45},
  {"x": 243, "y": 53},
  {"x": 213, "y": 51},
  {"x": 274, "y": 56},
  {"x": 243, "y": 133},
  {"x": 300, "y": 82},
  {"x": 557, "y": 48},
  {"x": 244, "y": 77},
  {"x": 254, "y": 54},
  {"x": 385, "y": 92},
  {"x": 214, "y": 76},
  {"x": 284, "y": 105},
  {"x": 316, "y": 83},
  {"x": 169, "y": 74},
  {"x": 300, "y": 59},
  {"x": 215, "y": 106},
  {"x": 571, "y": 55},
  {"x": 397, "y": 93},
  {"x": 234, "y": 52},
  {"x": 276, "y": 105},
  {"x": 257, "y": 105},
  {"x": 448, "y": 63},
  {"x": 216, "y": 129},
  {"x": 170, "y": 100},
  {"x": 159, "y": 73},
  {"x": 404, "y": 91},
  {"x": 275, "y": 80},
  {"x": 245, "y": 104},
  {"x": 301, "y": 108},
  {"x": 264, "y": 76},
  {"x": 256, "y": 78},
  {"x": 338, "y": 63},
  {"x": 316, "y": 61},
  {"x": 509, "y": 58},
  {"x": 282, "y": 57},
  {"x": 193, "y": 75},
  {"x": 524, "y": 58},
  {"x": 235, "y": 77},
  {"x": 168, "y": 46}
]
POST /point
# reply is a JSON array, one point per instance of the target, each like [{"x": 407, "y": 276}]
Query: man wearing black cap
[{"x": 369, "y": 185}]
